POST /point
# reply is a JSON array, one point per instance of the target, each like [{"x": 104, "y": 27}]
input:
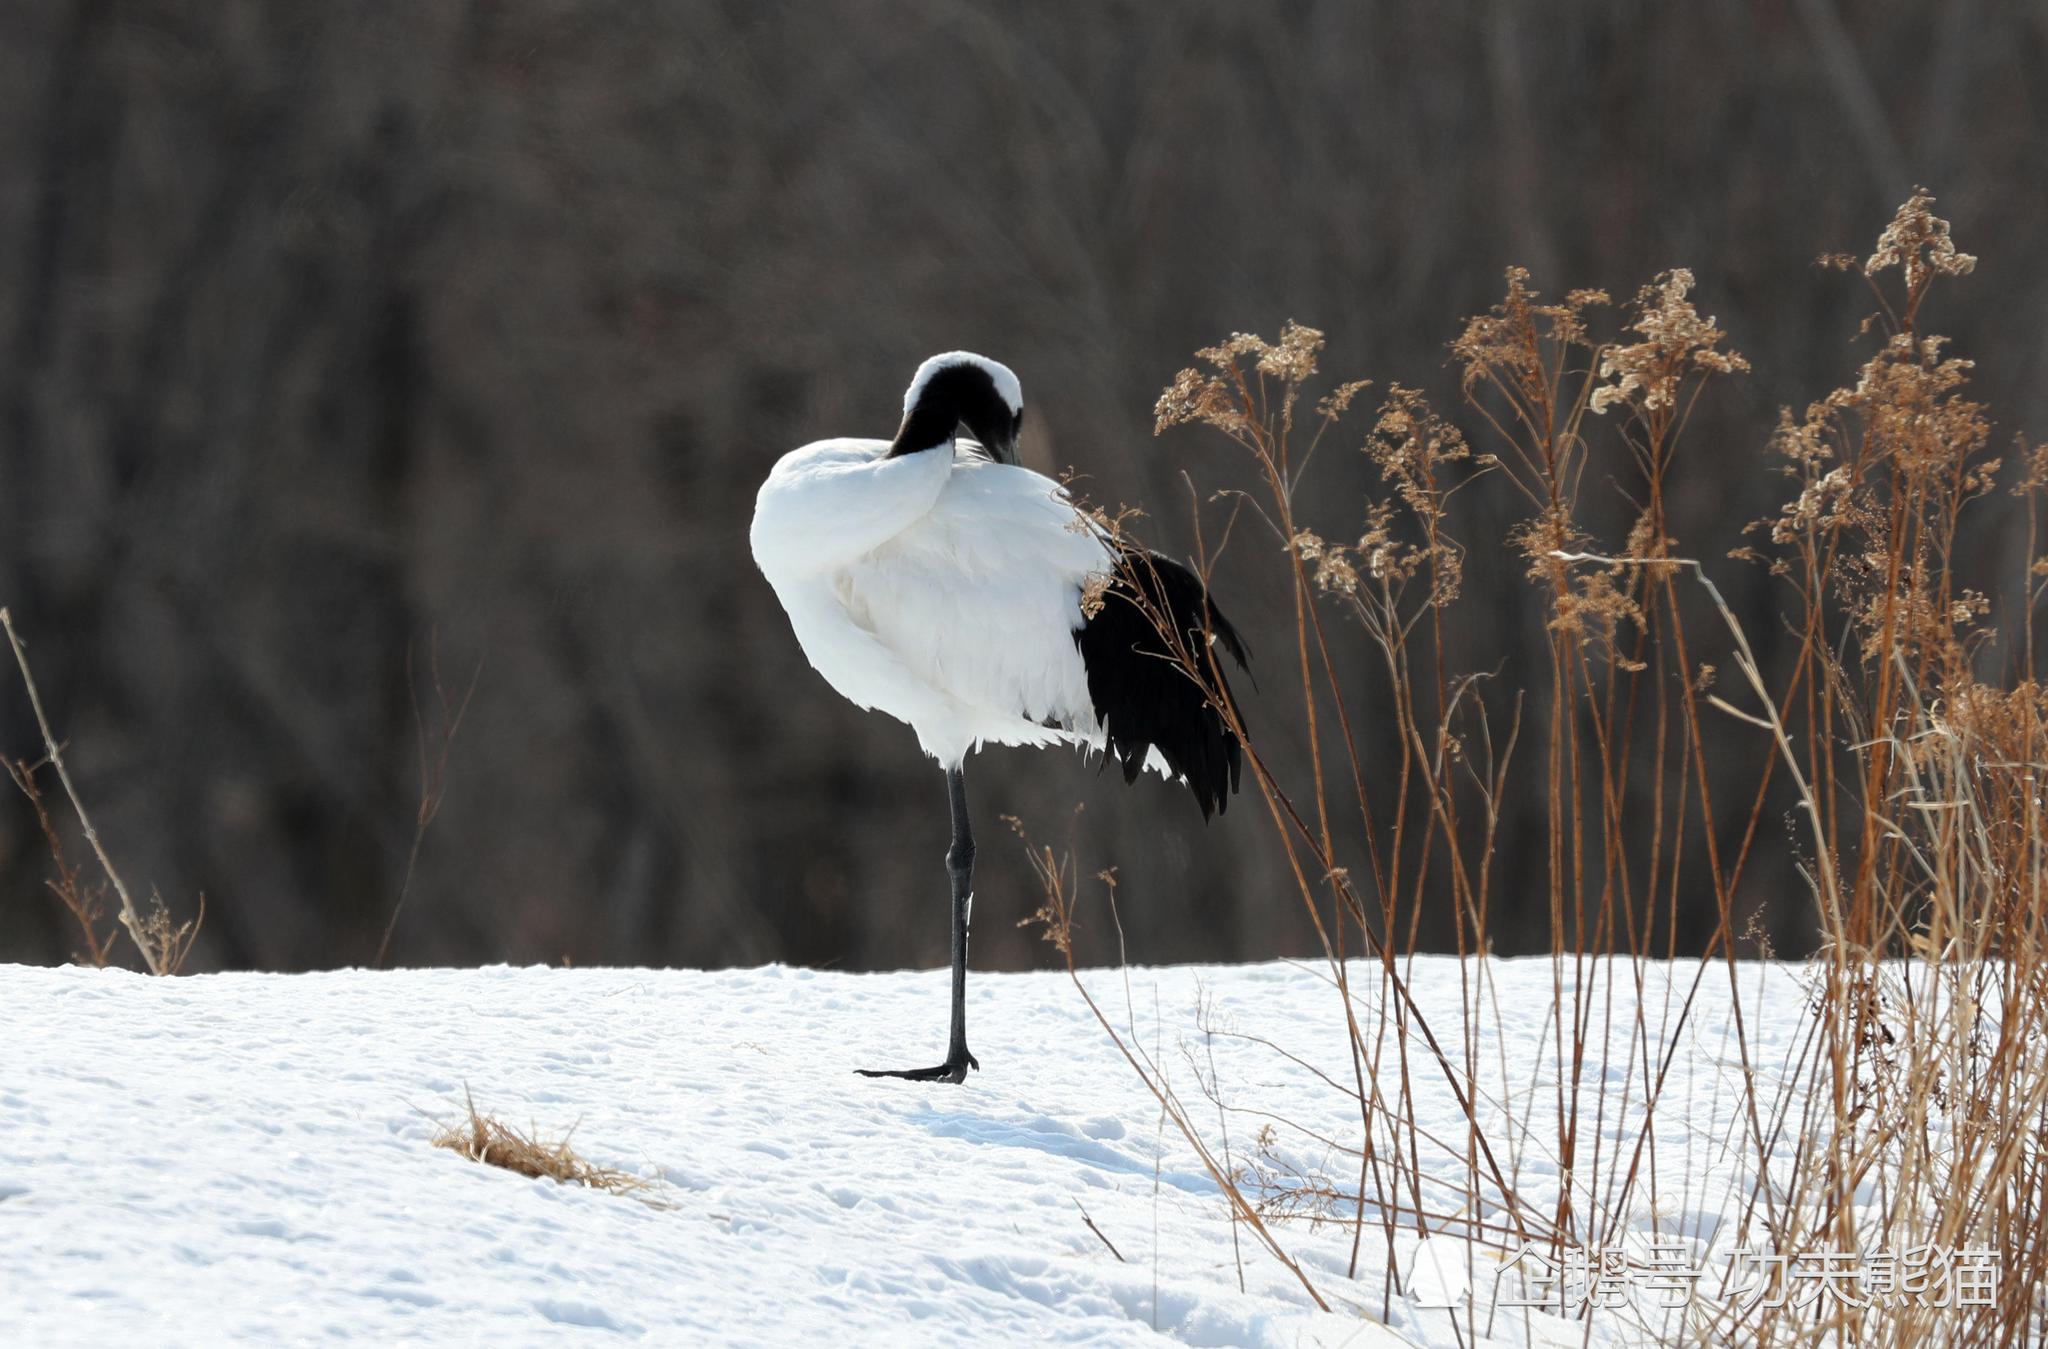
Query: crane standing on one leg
[{"x": 932, "y": 578}]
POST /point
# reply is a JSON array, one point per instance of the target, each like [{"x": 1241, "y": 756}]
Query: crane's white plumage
[
  {"x": 928, "y": 578},
  {"x": 938, "y": 587}
]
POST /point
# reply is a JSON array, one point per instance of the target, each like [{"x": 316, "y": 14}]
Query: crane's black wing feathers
[{"x": 1142, "y": 697}]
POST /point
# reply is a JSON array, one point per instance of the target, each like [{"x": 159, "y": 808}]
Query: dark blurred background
[{"x": 333, "y": 335}]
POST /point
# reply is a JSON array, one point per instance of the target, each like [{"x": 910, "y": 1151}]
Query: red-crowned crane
[{"x": 932, "y": 578}]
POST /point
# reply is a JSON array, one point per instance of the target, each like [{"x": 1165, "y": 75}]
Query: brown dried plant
[
  {"x": 489, "y": 1140},
  {"x": 434, "y": 750},
  {"x": 1252, "y": 392},
  {"x": 85, "y": 900},
  {"x": 163, "y": 943},
  {"x": 1913, "y": 770},
  {"x": 1060, "y": 889}
]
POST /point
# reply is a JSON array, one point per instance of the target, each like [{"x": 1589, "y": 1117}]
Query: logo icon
[{"x": 1440, "y": 1276}]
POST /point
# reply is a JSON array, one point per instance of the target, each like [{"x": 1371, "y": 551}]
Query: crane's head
[{"x": 959, "y": 389}]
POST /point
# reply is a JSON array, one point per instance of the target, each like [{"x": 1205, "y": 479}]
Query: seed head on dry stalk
[{"x": 1649, "y": 375}]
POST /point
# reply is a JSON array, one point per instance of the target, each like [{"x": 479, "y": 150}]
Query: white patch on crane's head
[{"x": 1000, "y": 375}]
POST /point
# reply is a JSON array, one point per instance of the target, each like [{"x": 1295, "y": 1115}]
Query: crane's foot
[{"x": 952, "y": 1070}]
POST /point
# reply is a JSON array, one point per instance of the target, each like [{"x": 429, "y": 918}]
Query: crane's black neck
[{"x": 929, "y": 425}]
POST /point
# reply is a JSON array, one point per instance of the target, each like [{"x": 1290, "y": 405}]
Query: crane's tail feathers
[{"x": 1148, "y": 705}]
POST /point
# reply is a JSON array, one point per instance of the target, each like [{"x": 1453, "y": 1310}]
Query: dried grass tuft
[{"x": 489, "y": 1140}]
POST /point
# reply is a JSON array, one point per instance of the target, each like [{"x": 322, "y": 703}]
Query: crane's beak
[{"x": 999, "y": 443}]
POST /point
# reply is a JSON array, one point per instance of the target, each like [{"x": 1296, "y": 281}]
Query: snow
[{"x": 246, "y": 1158}]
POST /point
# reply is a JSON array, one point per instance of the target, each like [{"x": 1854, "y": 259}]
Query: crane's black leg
[{"x": 960, "y": 866}]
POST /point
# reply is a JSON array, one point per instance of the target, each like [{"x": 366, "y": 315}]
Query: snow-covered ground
[{"x": 246, "y": 1157}]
